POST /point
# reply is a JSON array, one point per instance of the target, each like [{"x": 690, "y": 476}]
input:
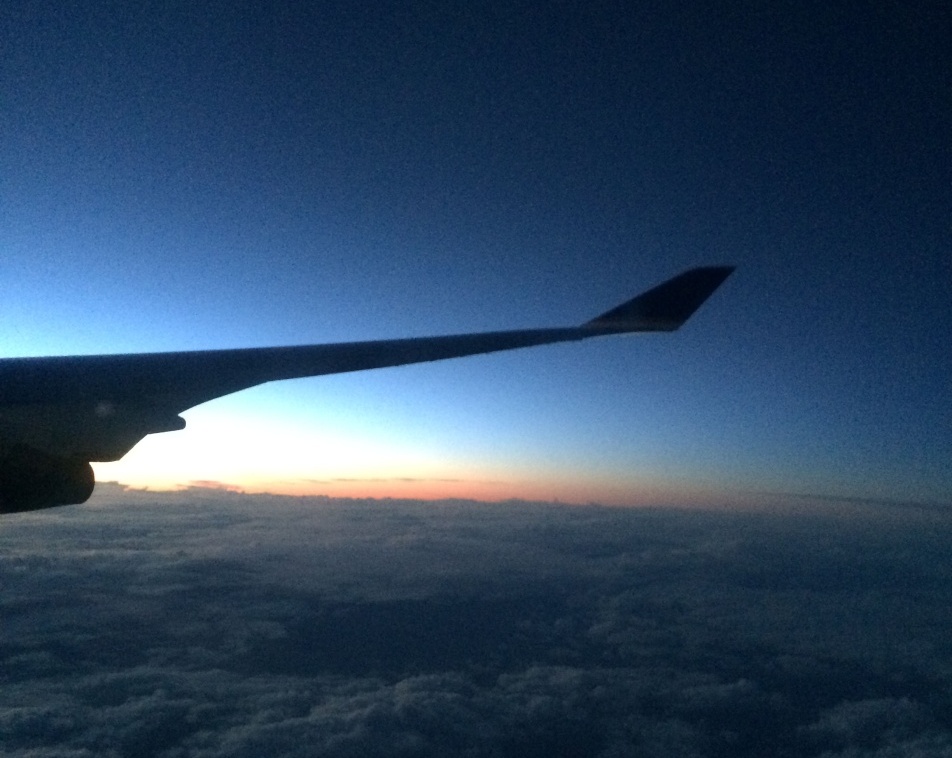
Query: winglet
[{"x": 665, "y": 307}]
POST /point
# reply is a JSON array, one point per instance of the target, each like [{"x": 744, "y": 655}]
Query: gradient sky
[{"x": 182, "y": 176}]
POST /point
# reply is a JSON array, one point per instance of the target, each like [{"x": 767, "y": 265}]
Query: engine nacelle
[{"x": 31, "y": 480}]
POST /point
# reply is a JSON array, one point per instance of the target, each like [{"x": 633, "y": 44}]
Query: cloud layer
[{"x": 209, "y": 623}]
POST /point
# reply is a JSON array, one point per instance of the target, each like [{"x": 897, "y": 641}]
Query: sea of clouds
[{"x": 212, "y": 623}]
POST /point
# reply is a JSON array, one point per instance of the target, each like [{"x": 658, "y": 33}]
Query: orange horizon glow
[
  {"x": 655, "y": 496},
  {"x": 261, "y": 455},
  {"x": 584, "y": 490},
  {"x": 255, "y": 453}
]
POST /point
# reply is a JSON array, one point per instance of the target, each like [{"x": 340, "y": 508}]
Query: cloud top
[{"x": 210, "y": 623}]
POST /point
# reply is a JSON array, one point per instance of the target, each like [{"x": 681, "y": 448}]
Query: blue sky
[{"x": 235, "y": 175}]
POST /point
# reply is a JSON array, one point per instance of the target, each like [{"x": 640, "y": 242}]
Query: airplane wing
[{"x": 59, "y": 413}]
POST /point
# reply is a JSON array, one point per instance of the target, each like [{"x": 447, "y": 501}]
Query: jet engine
[{"x": 31, "y": 480}]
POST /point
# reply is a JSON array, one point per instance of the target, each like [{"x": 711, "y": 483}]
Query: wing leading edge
[{"x": 96, "y": 408}]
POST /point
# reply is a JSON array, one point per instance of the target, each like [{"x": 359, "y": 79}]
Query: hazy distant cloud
[
  {"x": 208, "y": 484},
  {"x": 214, "y": 623},
  {"x": 856, "y": 501}
]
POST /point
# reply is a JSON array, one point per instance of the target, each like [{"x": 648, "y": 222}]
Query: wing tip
[{"x": 667, "y": 306}]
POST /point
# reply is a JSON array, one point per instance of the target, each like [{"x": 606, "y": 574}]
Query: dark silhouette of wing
[{"x": 97, "y": 407}]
